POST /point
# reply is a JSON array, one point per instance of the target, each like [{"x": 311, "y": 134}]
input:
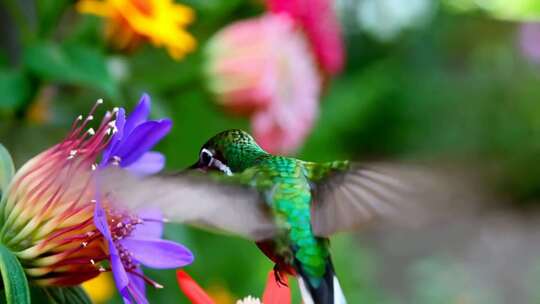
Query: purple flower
[
  {"x": 135, "y": 136},
  {"x": 135, "y": 240},
  {"x": 529, "y": 41}
]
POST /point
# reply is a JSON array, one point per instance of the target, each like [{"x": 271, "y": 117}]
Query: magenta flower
[
  {"x": 263, "y": 67},
  {"x": 318, "y": 20},
  {"x": 134, "y": 137}
]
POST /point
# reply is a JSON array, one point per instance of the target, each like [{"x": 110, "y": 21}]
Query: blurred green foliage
[{"x": 454, "y": 88}]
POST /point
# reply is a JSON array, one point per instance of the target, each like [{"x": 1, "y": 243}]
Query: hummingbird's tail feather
[
  {"x": 327, "y": 291},
  {"x": 304, "y": 291}
]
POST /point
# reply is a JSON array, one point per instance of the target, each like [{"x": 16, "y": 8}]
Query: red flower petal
[
  {"x": 191, "y": 289},
  {"x": 274, "y": 293}
]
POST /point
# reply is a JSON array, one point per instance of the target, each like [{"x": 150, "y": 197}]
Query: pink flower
[
  {"x": 263, "y": 67},
  {"x": 318, "y": 19}
]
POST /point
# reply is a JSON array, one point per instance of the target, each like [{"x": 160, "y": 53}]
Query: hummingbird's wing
[
  {"x": 348, "y": 198},
  {"x": 212, "y": 202}
]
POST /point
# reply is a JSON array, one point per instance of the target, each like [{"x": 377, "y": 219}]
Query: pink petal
[{"x": 320, "y": 23}]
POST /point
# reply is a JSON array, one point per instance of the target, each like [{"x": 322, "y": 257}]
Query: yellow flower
[
  {"x": 130, "y": 22},
  {"x": 101, "y": 288},
  {"x": 220, "y": 294}
]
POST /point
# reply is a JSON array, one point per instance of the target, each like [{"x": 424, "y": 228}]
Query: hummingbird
[{"x": 288, "y": 206}]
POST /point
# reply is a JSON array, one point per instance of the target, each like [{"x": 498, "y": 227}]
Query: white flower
[{"x": 249, "y": 300}]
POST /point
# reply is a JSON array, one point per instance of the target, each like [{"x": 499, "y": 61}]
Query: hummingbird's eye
[{"x": 206, "y": 157}]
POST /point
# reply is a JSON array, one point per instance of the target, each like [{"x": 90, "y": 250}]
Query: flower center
[
  {"x": 126, "y": 258},
  {"x": 122, "y": 226}
]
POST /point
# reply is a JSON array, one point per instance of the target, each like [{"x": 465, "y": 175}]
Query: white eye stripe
[
  {"x": 207, "y": 152},
  {"x": 206, "y": 156},
  {"x": 221, "y": 166},
  {"x": 214, "y": 162}
]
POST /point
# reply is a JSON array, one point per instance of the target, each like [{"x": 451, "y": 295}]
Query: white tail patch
[
  {"x": 306, "y": 296},
  {"x": 339, "y": 297}
]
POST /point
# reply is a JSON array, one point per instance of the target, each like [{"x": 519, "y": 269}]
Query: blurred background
[{"x": 453, "y": 82}]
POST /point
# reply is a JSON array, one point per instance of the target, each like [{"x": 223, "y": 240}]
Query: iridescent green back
[
  {"x": 290, "y": 200},
  {"x": 318, "y": 171}
]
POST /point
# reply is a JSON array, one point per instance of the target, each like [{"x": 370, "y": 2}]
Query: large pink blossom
[
  {"x": 263, "y": 67},
  {"x": 318, "y": 20}
]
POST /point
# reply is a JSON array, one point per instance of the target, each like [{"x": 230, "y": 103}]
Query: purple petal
[
  {"x": 125, "y": 296},
  {"x": 149, "y": 163},
  {"x": 529, "y": 40},
  {"x": 100, "y": 220},
  {"x": 139, "y": 115},
  {"x": 138, "y": 282},
  {"x": 152, "y": 226},
  {"x": 117, "y": 137},
  {"x": 158, "y": 253},
  {"x": 119, "y": 273},
  {"x": 142, "y": 139},
  {"x": 139, "y": 295}
]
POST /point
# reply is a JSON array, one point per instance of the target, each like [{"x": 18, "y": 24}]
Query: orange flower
[{"x": 130, "y": 22}]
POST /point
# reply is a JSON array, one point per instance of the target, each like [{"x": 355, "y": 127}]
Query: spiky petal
[{"x": 47, "y": 212}]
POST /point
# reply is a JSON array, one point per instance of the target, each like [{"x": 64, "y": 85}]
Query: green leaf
[
  {"x": 14, "y": 89},
  {"x": 7, "y": 169},
  {"x": 13, "y": 277},
  {"x": 71, "y": 64},
  {"x": 76, "y": 295},
  {"x": 55, "y": 295},
  {"x": 49, "y": 13},
  {"x": 66, "y": 295}
]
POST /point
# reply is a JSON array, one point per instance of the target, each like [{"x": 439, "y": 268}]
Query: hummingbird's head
[{"x": 229, "y": 152}]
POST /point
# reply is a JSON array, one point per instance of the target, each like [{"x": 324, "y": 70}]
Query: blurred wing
[
  {"x": 346, "y": 200},
  {"x": 193, "y": 199}
]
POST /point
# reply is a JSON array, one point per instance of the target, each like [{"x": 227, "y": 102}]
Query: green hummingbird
[{"x": 289, "y": 207}]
